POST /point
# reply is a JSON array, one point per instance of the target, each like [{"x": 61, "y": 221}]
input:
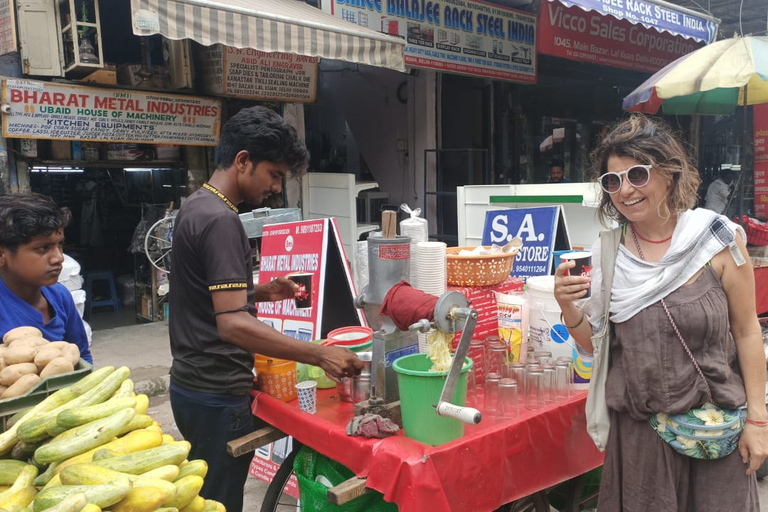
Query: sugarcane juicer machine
[{"x": 389, "y": 264}]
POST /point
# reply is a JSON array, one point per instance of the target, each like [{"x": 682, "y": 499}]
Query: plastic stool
[{"x": 112, "y": 300}]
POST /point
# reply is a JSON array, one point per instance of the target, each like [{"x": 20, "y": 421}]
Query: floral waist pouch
[{"x": 705, "y": 433}]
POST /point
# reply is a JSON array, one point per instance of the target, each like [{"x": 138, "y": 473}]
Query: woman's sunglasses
[{"x": 637, "y": 175}]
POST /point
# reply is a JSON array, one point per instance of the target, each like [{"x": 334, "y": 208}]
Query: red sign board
[
  {"x": 760, "y": 123},
  {"x": 306, "y": 247},
  {"x": 588, "y": 36}
]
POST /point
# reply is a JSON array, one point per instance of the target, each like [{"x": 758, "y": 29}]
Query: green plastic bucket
[{"x": 419, "y": 391}]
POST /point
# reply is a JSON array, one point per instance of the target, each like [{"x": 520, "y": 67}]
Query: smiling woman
[
  {"x": 31, "y": 258},
  {"x": 674, "y": 336}
]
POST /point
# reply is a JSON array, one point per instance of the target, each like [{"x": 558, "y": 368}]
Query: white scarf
[{"x": 699, "y": 235}]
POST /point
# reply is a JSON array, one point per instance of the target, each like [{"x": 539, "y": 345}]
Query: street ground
[{"x": 145, "y": 349}]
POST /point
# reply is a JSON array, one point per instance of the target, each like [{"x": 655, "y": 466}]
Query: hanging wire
[{"x": 741, "y": 8}]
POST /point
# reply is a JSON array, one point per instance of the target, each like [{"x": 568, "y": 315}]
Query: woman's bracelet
[
  {"x": 757, "y": 423},
  {"x": 562, "y": 321}
]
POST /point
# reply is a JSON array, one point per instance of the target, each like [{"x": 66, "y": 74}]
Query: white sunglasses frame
[{"x": 647, "y": 168}]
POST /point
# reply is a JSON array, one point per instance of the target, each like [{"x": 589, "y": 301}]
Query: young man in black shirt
[{"x": 213, "y": 326}]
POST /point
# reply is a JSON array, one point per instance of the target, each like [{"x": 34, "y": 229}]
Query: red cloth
[
  {"x": 406, "y": 305},
  {"x": 761, "y": 290},
  {"x": 496, "y": 462}
]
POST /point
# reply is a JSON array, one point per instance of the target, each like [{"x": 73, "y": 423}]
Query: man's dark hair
[
  {"x": 557, "y": 162},
  {"x": 266, "y": 136},
  {"x": 25, "y": 216}
]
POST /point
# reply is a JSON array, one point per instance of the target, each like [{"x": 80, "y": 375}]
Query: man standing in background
[{"x": 718, "y": 192}]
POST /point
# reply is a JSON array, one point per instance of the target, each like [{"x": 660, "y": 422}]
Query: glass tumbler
[
  {"x": 496, "y": 358},
  {"x": 562, "y": 380},
  {"x": 569, "y": 362},
  {"x": 476, "y": 352},
  {"x": 534, "y": 398},
  {"x": 544, "y": 356},
  {"x": 548, "y": 382},
  {"x": 508, "y": 398},
  {"x": 491, "y": 398},
  {"x": 517, "y": 371}
]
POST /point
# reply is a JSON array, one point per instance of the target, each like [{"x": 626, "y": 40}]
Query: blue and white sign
[
  {"x": 536, "y": 227},
  {"x": 652, "y": 15}
]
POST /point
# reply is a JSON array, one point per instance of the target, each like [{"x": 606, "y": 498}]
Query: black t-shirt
[{"x": 210, "y": 253}]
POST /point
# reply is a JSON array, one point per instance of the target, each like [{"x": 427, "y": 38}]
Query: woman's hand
[
  {"x": 569, "y": 288},
  {"x": 753, "y": 446}
]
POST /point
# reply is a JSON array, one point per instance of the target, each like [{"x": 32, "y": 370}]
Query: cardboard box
[
  {"x": 107, "y": 76},
  {"x": 61, "y": 150},
  {"x": 146, "y": 307}
]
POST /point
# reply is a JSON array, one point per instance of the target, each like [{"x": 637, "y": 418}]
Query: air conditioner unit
[{"x": 178, "y": 60}]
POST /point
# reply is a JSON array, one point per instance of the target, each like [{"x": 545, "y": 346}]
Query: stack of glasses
[{"x": 534, "y": 384}]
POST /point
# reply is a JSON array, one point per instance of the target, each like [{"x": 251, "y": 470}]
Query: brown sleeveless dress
[{"x": 650, "y": 372}]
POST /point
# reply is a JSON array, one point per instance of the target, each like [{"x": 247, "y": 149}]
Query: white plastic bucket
[{"x": 545, "y": 332}]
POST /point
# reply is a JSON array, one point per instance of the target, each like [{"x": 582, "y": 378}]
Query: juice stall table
[
  {"x": 761, "y": 290},
  {"x": 494, "y": 463}
]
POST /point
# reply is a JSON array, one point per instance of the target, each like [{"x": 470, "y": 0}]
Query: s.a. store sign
[{"x": 588, "y": 36}]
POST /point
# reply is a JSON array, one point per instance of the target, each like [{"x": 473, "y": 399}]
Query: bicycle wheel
[{"x": 276, "y": 499}]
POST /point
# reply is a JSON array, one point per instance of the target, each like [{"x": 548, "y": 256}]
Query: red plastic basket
[{"x": 757, "y": 232}]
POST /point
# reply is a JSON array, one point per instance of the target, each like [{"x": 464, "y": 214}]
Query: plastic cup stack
[
  {"x": 307, "y": 392},
  {"x": 430, "y": 263}
]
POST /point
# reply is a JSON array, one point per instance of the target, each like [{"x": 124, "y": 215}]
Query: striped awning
[{"x": 289, "y": 26}]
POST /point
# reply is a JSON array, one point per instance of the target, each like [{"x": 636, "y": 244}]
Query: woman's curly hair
[{"x": 649, "y": 141}]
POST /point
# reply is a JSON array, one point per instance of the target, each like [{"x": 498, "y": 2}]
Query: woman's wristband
[
  {"x": 577, "y": 324},
  {"x": 757, "y": 423}
]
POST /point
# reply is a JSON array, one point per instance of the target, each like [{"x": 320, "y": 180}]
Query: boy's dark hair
[
  {"x": 557, "y": 162},
  {"x": 25, "y": 216},
  {"x": 266, "y": 136}
]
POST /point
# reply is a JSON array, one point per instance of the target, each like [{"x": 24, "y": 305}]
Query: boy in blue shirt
[{"x": 31, "y": 258}]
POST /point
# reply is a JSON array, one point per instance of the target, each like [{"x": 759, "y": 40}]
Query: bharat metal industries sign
[
  {"x": 588, "y": 36},
  {"x": 248, "y": 73},
  {"x": 43, "y": 110},
  {"x": 760, "y": 122},
  {"x": 470, "y": 37}
]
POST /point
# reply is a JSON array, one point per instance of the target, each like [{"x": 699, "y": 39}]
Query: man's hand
[
  {"x": 339, "y": 362},
  {"x": 279, "y": 289}
]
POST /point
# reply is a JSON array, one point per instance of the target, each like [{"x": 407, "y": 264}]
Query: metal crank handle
[{"x": 467, "y": 415}]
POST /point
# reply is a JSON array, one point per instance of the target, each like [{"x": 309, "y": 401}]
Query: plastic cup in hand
[
  {"x": 583, "y": 266},
  {"x": 303, "y": 295},
  {"x": 307, "y": 392}
]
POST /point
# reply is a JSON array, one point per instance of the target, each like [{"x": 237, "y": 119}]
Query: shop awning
[
  {"x": 289, "y": 26},
  {"x": 657, "y": 14}
]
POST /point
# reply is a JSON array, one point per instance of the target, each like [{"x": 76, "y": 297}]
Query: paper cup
[
  {"x": 583, "y": 266},
  {"x": 304, "y": 294},
  {"x": 307, "y": 392}
]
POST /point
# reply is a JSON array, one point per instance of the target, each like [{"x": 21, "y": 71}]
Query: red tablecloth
[
  {"x": 495, "y": 462},
  {"x": 761, "y": 290}
]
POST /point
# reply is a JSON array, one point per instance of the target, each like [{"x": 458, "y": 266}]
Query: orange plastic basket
[{"x": 477, "y": 270}]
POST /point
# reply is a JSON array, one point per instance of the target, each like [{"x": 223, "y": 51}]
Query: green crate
[{"x": 12, "y": 406}]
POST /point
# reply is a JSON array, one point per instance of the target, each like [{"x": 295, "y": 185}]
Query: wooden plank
[
  {"x": 250, "y": 442},
  {"x": 389, "y": 224},
  {"x": 347, "y": 491}
]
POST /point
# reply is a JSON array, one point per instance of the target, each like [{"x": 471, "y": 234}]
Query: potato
[
  {"x": 21, "y": 386},
  {"x": 57, "y": 366},
  {"x": 61, "y": 345},
  {"x": 45, "y": 355},
  {"x": 71, "y": 353},
  {"x": 10, "y": 374},
  {"x": 21, "y": 332},
  {"x": 20, "y": 354},
  {"x": 29, "y": 341}
]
